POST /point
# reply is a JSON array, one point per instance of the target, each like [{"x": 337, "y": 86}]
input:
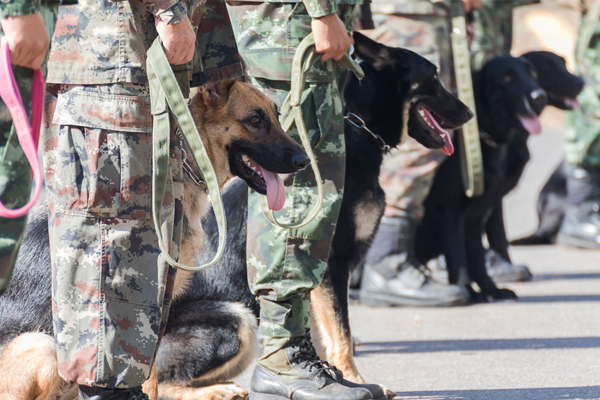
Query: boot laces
[{"x": 306, "y": 352}]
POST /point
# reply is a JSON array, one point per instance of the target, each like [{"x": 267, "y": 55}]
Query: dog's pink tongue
[
  {"x": 572, "y": 102},
  {"x": 275, "y": 189},
  {"x": 531, "y": 123},
  {"x": 448, "y": 148}
]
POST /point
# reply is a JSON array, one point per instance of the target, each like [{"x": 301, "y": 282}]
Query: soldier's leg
[
  {"x": 15, "y": 171},
  {"x": 581, "y": 224},
  {"x": 111, "y": 286},
  {"x": 392, "y": 275}
]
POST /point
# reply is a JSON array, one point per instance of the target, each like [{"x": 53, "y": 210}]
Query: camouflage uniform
[
  {"x": 15, "y": 172},
  {"x": 424, "y": 26},
  {"x": 285, "y": 265},
  {"x": 582, "y": 134},
  {"x": 111, "y": 287}
]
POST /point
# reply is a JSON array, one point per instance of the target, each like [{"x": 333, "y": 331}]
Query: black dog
[
  {"x": 562, "y": 88},
  {"x": 508, "y": 100},
  {"x": 210, "y": 335}
]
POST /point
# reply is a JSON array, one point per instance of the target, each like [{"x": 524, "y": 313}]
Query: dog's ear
[
  {"x": 216, "y": 94},
  {"x": 371, "y": 51}
]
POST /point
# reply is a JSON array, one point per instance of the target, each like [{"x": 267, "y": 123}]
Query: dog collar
[
  {"x": 197, "y": 178},
  {"x": 488, "y": 139},
  {"x": 361, "y": 125}
]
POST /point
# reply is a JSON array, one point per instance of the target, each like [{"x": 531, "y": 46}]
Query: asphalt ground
[{"x": 544, "y": 346}]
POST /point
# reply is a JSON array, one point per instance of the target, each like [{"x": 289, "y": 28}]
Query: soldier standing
[
  {"x": 581, "y": 224},
  {"x": 285, "y": 265},
  {"x": 407, "y": 173},
  {"x": 26, "y": 26},
  {"x": 111, "y": 287}
]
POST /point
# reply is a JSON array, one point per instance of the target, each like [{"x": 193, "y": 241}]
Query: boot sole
[
  {"x": 265, "y": 396},
  {"x": 375, "y": 299},
  {"x": 577, "y": 242}
]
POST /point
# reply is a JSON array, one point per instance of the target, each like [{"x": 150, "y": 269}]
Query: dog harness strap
[
  {"x": 166, "y": 95},
  {"x": 291, "y": 111},
  {"x": 28, "y": 134},
  {"x": 470, "y": 158}
]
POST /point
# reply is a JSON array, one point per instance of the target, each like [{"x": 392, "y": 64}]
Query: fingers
[
  {"x": 331, "y": 38},
  {"x": 27, "y": 39},
  {"x": 178, "y": 40}
]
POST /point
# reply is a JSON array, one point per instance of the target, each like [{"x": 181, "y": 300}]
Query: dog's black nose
[
  {"x": 300, "y": 160},
  {"x": 578, "y": 84},
  {"x": 538, "y": 99}
]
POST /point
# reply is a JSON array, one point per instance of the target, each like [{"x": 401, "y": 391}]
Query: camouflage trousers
[
  {"x": 15, "y": 171},
  {"x": 582, "y": 133},
  {"x": 407, "y": 172},
  {"x": 284, "y": 266},
  {"x": 111, "y": 288}
]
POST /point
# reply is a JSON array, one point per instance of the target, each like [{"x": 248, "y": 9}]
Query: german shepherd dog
[
  {"x": 210, "y": 335},
  {"x": 508, "y": 101},
  {"x": 209, "y": 338},
  {"x": 237, "y": 123},
  {"x": 562, "y": 88}
]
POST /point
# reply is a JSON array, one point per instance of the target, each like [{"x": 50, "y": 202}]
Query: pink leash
[{"x": 28, "y": 137}]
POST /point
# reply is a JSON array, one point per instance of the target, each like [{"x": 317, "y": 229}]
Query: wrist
[
  {"x": 317, "y": 9},
  {"x": 173, "y": 15}
]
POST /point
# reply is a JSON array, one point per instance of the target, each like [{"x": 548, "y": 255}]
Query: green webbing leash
[
  {"x": 291, "y": 111},
  {"x": 166, "y": 95},
  {"x": 472, "y": 167}
]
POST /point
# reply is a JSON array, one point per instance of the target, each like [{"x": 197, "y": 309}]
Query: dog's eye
[
  {"x": 534, "y": 74},
  {"x": 414, "y": 86},
  {"x": 507, "y": 79},
  {"x": 254, "y": 120}
]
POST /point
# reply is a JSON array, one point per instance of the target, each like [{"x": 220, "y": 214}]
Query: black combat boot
[
  {"x": 392, "y": 275},
  {"x": 581, "y": 224},
  {"x": 290, "y": 369},
  {"x": 98, "y": 393},
  {"x": 503, "y": 271}
]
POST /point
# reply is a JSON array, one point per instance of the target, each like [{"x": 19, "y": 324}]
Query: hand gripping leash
[
  {"x": 166, "y": 95},
  {"x": 28, "y": 134},
  {"x": 291, "y": 111}
]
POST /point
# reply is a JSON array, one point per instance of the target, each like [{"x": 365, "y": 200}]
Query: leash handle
[
  {"x": 471, "y": 162},
  {"x": 28, "y": 134},
  {"x": 165, "y": 95},
  {"x": 291, "y": 111}
]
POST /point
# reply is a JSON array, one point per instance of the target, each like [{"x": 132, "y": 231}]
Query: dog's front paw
[
  {"x": 503, "y": 294},
  {"x": 477, "y": 297}
]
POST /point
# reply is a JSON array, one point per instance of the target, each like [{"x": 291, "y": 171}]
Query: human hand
[
  {"x": 178, "y": 40},
  {"x": 470, "y": 5},
  {"x": 331, "y": 38},
  {"x": 27, "y": 39}
]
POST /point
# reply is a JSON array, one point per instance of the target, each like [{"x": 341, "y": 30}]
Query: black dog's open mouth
[
  {"x": 431, "y": 123},
  {"x": 567, "y": 103},
  {"x": 262, "y": 180}
]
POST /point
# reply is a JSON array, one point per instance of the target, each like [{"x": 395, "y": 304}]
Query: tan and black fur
[{"x": 233, "y": 119}]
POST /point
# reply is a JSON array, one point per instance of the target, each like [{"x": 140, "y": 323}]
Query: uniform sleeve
[
  {"x": 320, "y": 8},
  {"x": 19, "y": 7},
  {"x": 169, "y": 11}
]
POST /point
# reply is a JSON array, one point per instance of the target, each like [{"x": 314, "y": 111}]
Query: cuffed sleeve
[
  {"x": 18, "y": 7},
  {"x": 320, "y": 8},
  {"x": 169, "y": 11}
]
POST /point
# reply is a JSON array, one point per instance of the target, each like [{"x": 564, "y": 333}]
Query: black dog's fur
[
  {"x": 453, "y": 223},
  {"x": 203, "y": 332},
  {"x": 560, "y": 84}
]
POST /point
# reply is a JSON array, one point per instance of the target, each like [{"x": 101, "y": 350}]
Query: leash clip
[
  {"x": 361, "y": 125},
  {"x": 186, "y": 165}
]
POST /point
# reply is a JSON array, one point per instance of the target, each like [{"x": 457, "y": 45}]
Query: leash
[
  {"x": 471, "y": 163},
  {"x": 28, "y": 134},
  {"x": 165, "y": 95},
  {"x": 291, "y": 111}
]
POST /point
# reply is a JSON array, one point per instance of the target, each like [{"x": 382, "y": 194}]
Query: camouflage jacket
[
  {"x": 314, "y": 8},
  {"x": 105, "y": 41},
  {"x": 24, "y": 7}
]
